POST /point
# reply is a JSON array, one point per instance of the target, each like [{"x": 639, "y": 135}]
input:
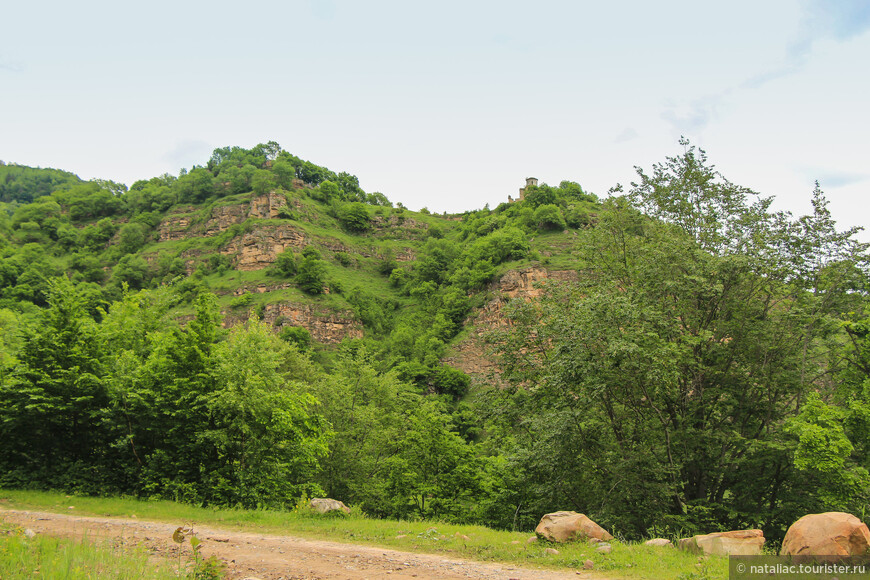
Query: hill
[{"x": 259, "y": 328}]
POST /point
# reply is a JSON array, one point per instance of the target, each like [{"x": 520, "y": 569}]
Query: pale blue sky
[{"x": 450, "y": 104}]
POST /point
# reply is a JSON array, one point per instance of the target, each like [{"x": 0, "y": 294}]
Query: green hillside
[{"x": 673, "y": 359}]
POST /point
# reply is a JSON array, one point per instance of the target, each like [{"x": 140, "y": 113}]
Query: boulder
[
  {"x": 569, "y": 526},
  {"x": 324, "y": 505},
  {"x": 658, "y": 542},
  {"x": 827, "y": 534},
  {"x": 736, "y": 543}
]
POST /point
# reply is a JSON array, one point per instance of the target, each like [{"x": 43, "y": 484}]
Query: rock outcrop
[
  {"x": 176, "y": 225},
  {"x": 472, "y": 355},
  {"x": 258, "y": 249},
  {"x": 570, "y": 526},
  {"x": 827, "y": 534},
  {"x": 737, "y": 543},
  {"x": 325, "y": 327},
  {"x": 182, "y": 223}
]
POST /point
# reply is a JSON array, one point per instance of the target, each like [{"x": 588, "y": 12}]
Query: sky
[{"x": 449, "y": 105}]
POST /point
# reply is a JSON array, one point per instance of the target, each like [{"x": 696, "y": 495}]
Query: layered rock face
[
  {"x": 180, "y": 224},
  {"x": 325, "y": 327},
  {"x": 176, "y": 225},
  {"x": 472, "y": 355},
  {"x": 258, "y": 249}
]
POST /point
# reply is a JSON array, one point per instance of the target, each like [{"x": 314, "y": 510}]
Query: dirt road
[{"x": 269, "y": 557}]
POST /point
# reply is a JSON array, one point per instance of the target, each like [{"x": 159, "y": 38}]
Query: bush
[
  {"x": 312, "y": 272},
  {"x": 242, "y": 300},
  {"x": 132, "y": 237},
  {"x": 285, "y": 264},
  {"x": 387, "y": 263},
  {"x": 451, "y": 381},
  {"x": 342, "y": 258},
  {"x": 219, "y": 263},
  {"x": 297, "y": 335},
  {"x": 354, "y": 217},
  {"x": 576, "y": 217},
  {"x": 549, "y": 217}
]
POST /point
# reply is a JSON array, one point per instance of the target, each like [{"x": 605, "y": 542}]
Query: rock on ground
[
  {"x": 827, "y": 534},
  {"x": 658, "y": 542},
  {"x": 324, "y": 505},
  {"x": 736, "y": 543},
  {"x": 569, "y": 526}
]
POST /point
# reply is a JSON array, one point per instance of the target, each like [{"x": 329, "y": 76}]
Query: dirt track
[{"x": 270, "y": 557}]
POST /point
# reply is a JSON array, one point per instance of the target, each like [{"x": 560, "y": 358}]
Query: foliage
[
  {"x": 549, "y": 217},
  {"x": 704, "y": 338},
  {"x": 296, "y": 335},
  {"x": 311, "y": 276},
  {"x": 676, "y": 365},
  {"x": 355, "y": 217},
  {"x": 24, "y": 184},
  {"x": 285, "y": 264}
]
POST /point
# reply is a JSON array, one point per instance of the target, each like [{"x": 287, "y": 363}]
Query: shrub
[
  {"x": 549, "y": 217},
  {"x": 354, "y": 217},
  {"x": 285, "y": 264}
]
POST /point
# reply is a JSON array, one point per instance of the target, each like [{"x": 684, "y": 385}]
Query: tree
[
  {"x": 394, "y": 451},
  {"x": 263, "y": 182},
  {"x": 688, "y": 192},
  {"x": 261, "y": 423},
  {"x": 51, "y": 407},
  {"x": 538, "y": 195},
  {"x": 329, "y": 191},
  {"x": 311, "y": 276},
  {"x": 355, "y": 217},
  {"x": 132, "y": 237},
  {"x": 673, "y": 367},
  {"x": 285, "y": 263},
  {"x": 196, "y": 186},
  {"x": 549, "y": 217}
]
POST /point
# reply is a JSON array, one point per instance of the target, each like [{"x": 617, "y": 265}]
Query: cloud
[
  {"x": 692, "y": 118},
  {"x": 761, "y": 79},
  {"x": 188, "y": 153},
  {"x": 840, "y": 20},
  {"x": 834, "y": 178},
  {"x": 8, "y": 65},
  {"x": 627, "y": 134},
  {"x": 822, "y": 19}
]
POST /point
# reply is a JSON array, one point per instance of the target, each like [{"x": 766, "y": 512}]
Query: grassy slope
[{"x": 626, "y": 561}]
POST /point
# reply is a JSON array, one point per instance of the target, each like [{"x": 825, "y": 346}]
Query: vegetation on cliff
[{"x": 260, "y": 327}]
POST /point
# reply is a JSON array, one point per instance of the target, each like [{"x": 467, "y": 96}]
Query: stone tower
[{"x": 530, "y": 181}]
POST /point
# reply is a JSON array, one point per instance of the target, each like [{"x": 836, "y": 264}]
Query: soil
[{"x": 268, "y": 557}]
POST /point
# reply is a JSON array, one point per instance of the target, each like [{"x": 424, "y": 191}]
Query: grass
[
  {"x": 59, "y": 559},
  {"x": 627, "y": 560}
]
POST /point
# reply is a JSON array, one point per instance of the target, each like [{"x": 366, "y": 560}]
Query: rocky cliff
[{"x": 472, "y": 355}]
